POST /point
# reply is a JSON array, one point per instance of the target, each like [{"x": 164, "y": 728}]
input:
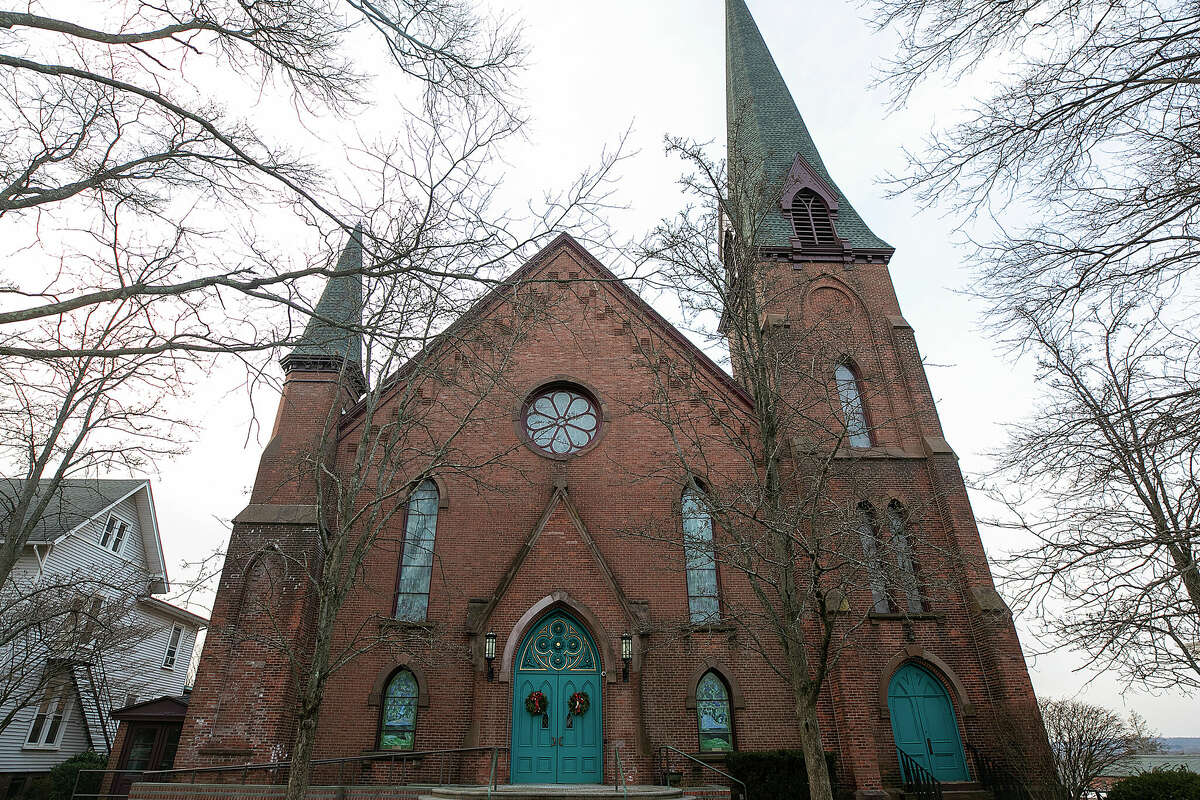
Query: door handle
[{"x": 929, "y": 746}]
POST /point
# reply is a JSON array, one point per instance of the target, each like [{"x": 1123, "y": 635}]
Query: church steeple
[
  {"x": 767, "y": 133},
  {"x": 330, "y": 340}
]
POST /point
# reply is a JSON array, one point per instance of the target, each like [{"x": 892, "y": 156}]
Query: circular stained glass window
[{"x": 561, "y": 420}]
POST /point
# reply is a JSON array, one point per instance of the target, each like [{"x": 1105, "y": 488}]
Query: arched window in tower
[
  {"x": 868, "y": 534},
  {"x": 714, "y": 718},
  {"x": 416, "y": 563},
  {"x": 700, "y": 557},
  {"x": 811, "y": 219},
  {"x": 853, "y": 413},
  {"x": 398, "y": 719},
  {"x": 910, "y": 586}
]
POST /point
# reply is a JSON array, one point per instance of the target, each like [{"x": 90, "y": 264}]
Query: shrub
[
  {"x": 775, "y": 774},
  {"x": 62, "y": 777},
  {"x": 1158, "y": 784}
]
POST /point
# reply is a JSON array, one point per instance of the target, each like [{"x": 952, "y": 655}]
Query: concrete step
[
  {"x": 958, "y": 791},
  {"x": 556, "y": 791}
]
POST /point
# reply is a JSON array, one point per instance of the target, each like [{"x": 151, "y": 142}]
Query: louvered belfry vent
[{"x": 810, "y": 218}]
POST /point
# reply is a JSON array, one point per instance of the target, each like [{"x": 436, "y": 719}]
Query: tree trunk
[
  {"x": 306, "y": 736},
  {"x": 819, "y": 785}
]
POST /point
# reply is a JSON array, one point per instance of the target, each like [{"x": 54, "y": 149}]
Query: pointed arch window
[
  {"x": 700, "y": 557},
  {"x": 853, "y": 412},
  {"x": 868, "y": 534},
  {"x": 416, "y": 563},
  {"x": 910, "y": 586},
  {"x": 398, "y": 718},
  {"x": 714, "y": 717},
  {"x": 812, "y": 220}
]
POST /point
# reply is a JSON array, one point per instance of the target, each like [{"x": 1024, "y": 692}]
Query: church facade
[{"x": 534, "y": 604}]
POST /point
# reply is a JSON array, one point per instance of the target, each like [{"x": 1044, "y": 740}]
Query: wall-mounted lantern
[
  {"x": 626, "y": 654},
  {"x": 489, "y": 653}
]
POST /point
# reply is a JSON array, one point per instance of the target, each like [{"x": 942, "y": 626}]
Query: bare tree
[
  {"x": 1088, "y": 139},
  {"x": 773, "y": 491},
  {"x": 1088, "y": 740},
  {"x": 1109, "y": 491}
]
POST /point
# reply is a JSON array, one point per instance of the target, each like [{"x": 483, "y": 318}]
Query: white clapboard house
[{"x": 98, "y": 550}]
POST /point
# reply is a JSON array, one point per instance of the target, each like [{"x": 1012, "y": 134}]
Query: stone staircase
[
  {"x": 558, "y": 791},
  {"x": 958, "y": 791}
]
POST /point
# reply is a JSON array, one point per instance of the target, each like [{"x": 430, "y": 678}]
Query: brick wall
[{"x": 507, "y": 542}]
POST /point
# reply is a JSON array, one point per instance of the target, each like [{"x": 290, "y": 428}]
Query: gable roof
[
  {"x": 765, "y": 127},
  {"x": 77, "y": 501},
  {"x": 497, "y": 294}
]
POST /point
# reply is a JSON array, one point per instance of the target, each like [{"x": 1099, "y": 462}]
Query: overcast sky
[{"x": 658, "y": 65}]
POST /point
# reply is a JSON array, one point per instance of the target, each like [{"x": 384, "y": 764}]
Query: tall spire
[
  {"x": 330, "y": 340},
  {"x": 765, "y": 128}
]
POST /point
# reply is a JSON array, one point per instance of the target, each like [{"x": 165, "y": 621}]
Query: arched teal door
[
  {"x": 924, "y": 725},
  {"x": 559, "y": 659}
]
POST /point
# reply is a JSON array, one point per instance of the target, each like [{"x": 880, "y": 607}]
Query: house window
[
  {"x": 416, "y": 562},
  {"x": 172, "y": 647},
  {"x": 810, "y": 218},
  {"x": 700, "y": 558},
  {"x": 855, "y": 415},
  {"x": 910, "y": 587},
  {"x": 398, "y": 721},
  {"x": 114, "y": 534},
  {"x": 49, "y": 721},
  {"x": 868, "y": 534},
  {"x": 713, "y": 717}
]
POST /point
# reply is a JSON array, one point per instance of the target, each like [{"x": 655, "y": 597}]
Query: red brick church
[{"x": 530, "y": 618}]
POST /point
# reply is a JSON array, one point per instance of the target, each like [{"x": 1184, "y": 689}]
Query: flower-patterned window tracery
[
  {"x": 561, "y": 421},
  {"x": 398, "y": 725},
  {"x": 416, "y": 563},
  {"x": 713, "y": 716}
]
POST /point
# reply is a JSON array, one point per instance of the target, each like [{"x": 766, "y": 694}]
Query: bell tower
[{"x": 814, "y": 259}]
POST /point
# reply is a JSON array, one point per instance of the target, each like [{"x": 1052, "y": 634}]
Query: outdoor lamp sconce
[
  {"x": 489, "y": 653},
  {"x": 626, "y": 655}
]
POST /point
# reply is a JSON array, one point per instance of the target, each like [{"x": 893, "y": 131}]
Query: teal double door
[
  {"x": 559, "y": 659},
  {"x": 924, "y": 724}
]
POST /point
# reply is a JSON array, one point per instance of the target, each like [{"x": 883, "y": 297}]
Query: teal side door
[
  {"x": 924, "y": 725},
  {"x": 557, "y": 658}
]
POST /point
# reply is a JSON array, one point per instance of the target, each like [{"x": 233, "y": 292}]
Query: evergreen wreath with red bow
[
  {"x": 535, "y": 703},
  {"x": 579, "y": 703}
]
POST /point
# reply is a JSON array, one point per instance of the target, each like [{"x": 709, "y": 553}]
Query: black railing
[
  {"x": 997, "y": 779},
  {"x": 664, "y": 761},
  {"x": 446, "y": 767},
  {"x": 917, "y": 779}
]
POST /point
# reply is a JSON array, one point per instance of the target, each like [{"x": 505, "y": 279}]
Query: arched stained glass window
[
  {"x": 868, "y": 534},
  {"x": 910, "y": 587},
  {"x": 561, "y": 421},
  {"x": 700, "y": 558},
  {"x": 713, "y": 716},
  {"x": 398, "y": 724},
  {"x": 416, "y": 563},
  {"x": 855, "y": 415}
]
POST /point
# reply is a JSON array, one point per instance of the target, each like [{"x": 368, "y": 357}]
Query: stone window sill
[
  {"x": 406, "y": 624},
  {"x": 924, "y": 615}
]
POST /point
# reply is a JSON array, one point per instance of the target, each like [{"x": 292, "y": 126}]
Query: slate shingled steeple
[
  {"x": 766, "y": 128},
  {"x": 329, "y": 341}
]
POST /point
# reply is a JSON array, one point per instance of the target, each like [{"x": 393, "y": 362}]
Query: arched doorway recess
[
  {"x": 924, "y": 724},
  {"x": 558, "y": 658}
]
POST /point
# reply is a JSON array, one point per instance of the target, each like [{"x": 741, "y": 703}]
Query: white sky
[{"x": 597, "y": 68}]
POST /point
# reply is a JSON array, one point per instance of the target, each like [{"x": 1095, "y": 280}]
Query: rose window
[{"x": 561, "y": 421}]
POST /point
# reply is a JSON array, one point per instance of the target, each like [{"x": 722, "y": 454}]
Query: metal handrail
[
  {"x": 917, "y": 779},
  {"x": 726, "y": 775},
  {"x": 392, "y": 757},
  {"x": 996, "y": 778},
  {"x": 620, "y": 776}
]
